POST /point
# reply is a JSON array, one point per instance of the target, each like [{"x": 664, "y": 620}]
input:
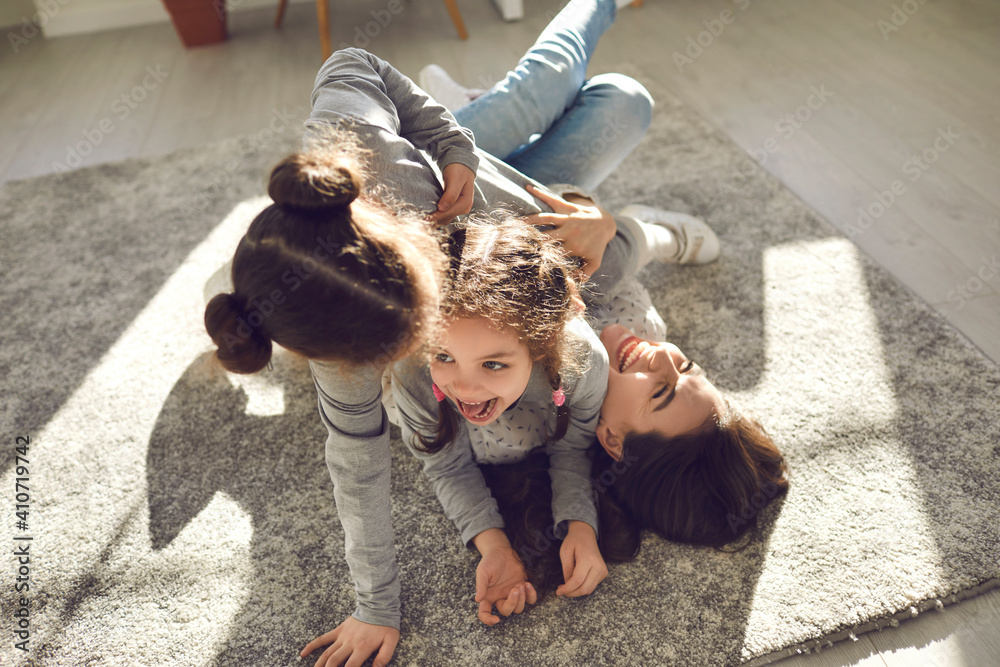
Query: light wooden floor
[{"x": 83, "y": 100}]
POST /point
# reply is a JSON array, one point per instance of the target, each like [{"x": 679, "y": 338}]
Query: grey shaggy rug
[{"x": 180, "y": 516}]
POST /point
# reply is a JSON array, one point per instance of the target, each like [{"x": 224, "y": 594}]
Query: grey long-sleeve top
[
  {"x": 411, "y": 137},
  {"x": 454, "y": 471}
]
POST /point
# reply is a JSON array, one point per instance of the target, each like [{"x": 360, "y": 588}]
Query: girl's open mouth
[
  {"x": 629, "y": 352},
  {"x": 477, "y": 412}
]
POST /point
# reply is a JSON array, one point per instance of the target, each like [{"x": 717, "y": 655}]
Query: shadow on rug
[{"x": 182, "y": 516}]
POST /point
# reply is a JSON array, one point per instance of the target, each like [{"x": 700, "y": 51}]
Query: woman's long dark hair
[
  {"x": 326, "y": 273},
  {"x": 704, "y": 488}
]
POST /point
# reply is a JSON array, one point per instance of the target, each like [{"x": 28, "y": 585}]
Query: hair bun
[
  {"x": 315, "y": 181},
  {"x": 242, "y": 347}
]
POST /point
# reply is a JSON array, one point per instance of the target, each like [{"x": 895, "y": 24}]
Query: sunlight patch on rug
[
  {"x": 89, "y": 462},
  {"x": 265, "y": 397},
  {"x": 189, "y": 593},
  {"x": 864, "y": 502}
]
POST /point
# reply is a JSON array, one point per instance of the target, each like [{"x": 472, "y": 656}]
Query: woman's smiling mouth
[{"x": 629, "y": 352}]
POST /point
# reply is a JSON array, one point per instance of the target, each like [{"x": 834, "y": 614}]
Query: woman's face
[
  {"x": 482, "y": 369},
  {"x": 651, "y": 387}
]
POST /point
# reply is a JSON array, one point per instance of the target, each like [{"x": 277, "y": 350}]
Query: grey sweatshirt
[{"x": 412, "y": 137}]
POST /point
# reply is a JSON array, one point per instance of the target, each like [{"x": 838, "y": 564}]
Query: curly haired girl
[{"x": 515, "y": 368}]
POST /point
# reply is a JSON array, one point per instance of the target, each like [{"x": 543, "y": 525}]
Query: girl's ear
[
  {"x": 579, "y": 306},
  {"x": 610, "y": 440}
]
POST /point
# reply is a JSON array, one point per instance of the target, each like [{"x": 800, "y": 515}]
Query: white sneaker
[
  {"x": 697, "y": 243},
  {"x": 448, "y": 92}
]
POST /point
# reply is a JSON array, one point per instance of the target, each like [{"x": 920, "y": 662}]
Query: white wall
[{"x": 71, "y": 17}]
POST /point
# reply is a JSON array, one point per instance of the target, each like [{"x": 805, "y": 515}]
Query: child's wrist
[
  {"x": 491, "y": 539},
  {"x": 584, "y": 529}
]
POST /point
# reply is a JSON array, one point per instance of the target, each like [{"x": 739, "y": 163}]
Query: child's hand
[
  {"x": 459, "y": 182},
  {"x": 584, "y": 231},
  {"x": 500, "y": 578},
  {"x": 583, "y": 566},
  {"x": 355, "y": 640}
]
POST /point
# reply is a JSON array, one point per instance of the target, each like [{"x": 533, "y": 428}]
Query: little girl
[{"x": 515, "y": 368}]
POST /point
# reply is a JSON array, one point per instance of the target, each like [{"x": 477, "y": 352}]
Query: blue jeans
[{"x": 547, "y": 120}]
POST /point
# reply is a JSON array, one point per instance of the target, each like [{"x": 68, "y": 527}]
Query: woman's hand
[
  {"x": 583, "y": 566},
  {"x": 500, "y": 578},
  {"x": 584, "y": 231},
  {"x": 459, "y": 186},
  {"x": 353, "y": 642}
]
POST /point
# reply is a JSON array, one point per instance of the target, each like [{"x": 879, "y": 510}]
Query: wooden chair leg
[
  {"x": 323, "y": 16},
  {"x": 456, "y": 18},
  {"x": 281, "y": 13}
]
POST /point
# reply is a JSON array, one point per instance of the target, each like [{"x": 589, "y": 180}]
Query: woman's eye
[
  {"x": 687, "y": 367},
  {"x": 661, "y": 391},
  {"x": 494, "y": 365},
  {"x": 443, "y": 358}
]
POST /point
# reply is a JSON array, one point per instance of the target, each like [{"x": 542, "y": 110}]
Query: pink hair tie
[
  {"x": 559, "y": 397},
  {"x": 438, "y": 394}
]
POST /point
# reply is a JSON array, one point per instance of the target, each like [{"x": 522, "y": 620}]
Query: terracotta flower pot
[{"x": 198, "y": 22}]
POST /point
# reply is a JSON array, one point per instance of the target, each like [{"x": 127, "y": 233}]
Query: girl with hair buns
[{"x": 351, "y": 284}]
